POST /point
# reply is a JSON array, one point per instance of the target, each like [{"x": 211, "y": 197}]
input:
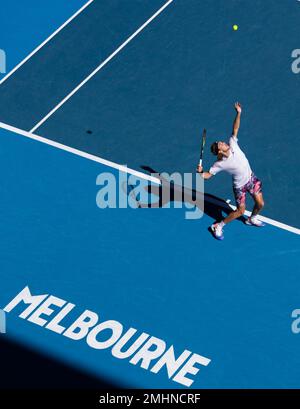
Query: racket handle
[{"x": 200, "y": 162}]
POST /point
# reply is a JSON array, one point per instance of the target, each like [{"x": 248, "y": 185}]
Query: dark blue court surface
[{"x": 153, "y": 270}]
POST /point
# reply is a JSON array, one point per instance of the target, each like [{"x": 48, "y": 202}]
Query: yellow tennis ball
[{"x": 235, "y": 27}]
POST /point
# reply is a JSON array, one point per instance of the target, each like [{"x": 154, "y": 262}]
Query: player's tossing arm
[
  {"x": 205, "y": 175},
  {"x": 237, "y": 121}
]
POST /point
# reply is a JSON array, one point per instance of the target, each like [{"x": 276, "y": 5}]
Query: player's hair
[{"x": 214, "y": 148}]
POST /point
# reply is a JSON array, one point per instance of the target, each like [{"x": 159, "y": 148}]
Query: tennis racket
[{"x": 202, "y": 146}]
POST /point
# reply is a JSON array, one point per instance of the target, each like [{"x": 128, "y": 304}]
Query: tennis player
[{"x": 233, "y": 160}]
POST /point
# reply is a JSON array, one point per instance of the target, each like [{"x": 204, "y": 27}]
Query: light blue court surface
[{"x": 154, "y": 270}]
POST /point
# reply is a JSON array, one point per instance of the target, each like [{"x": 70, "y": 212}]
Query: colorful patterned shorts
[{"x": 254, "y": 186}]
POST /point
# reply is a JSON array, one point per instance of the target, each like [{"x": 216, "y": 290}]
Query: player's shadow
[{"x": 211, "y": 205}]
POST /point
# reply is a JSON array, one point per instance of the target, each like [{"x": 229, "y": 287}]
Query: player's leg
[
  {"x": 235, "y": 214},
  {"x": 255, "y": 190},
  {"x": 240, "y": 198},
  {"x": 258, "y": 203}
]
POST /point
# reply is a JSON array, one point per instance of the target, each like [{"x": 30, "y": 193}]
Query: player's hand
[
  {"x": 238, "y": 107},
  {"x": 199, "y": 169}
]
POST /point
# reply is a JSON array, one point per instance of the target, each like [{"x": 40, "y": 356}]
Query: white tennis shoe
[
  {"x": 217, "y": 231},
  {"x": 253, "y": 221}
]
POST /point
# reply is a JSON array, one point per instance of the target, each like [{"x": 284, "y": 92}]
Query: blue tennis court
[{"x": 93, "y": 86}]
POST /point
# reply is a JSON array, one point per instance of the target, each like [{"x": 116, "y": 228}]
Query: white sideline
[
  {"x": 125, "y": 169},
  {"x": 45, "y": 42},
  {"x": 100, "y": 66}
]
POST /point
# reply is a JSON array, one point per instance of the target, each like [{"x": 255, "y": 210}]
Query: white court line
[
  {"x": 77, "y": 152},
  {"x": 101, "y": 66},
  {"x": 272, "y": 221},
  {"x": 124, "y": 168},
  {"x": 45, "y": 42}
]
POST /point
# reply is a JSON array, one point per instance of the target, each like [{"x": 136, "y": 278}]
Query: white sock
[{"x": 222, "y": 224}]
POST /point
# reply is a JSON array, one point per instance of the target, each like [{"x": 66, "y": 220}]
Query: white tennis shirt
[{"x": 236, "y": 165}]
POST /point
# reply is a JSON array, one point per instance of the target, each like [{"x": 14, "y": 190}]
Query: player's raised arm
[{"x": 237, "y": 121}]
